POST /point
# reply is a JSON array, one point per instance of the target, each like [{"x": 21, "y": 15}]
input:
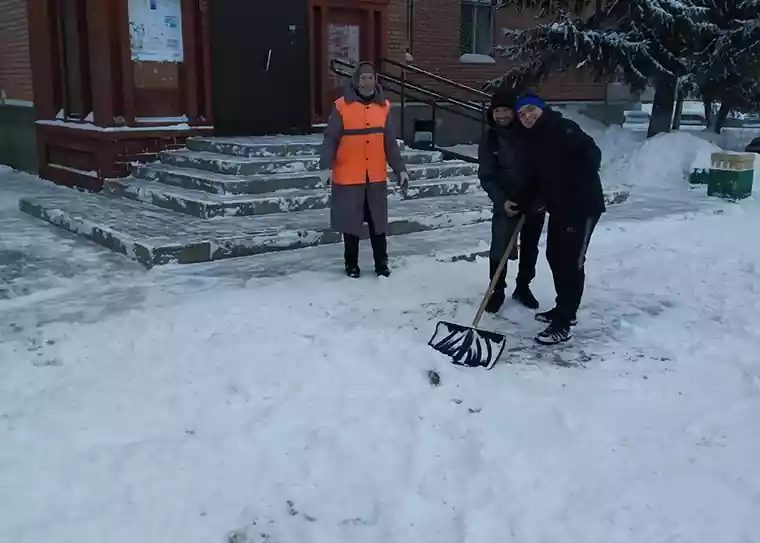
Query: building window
[{"x": 477, "y": 25}]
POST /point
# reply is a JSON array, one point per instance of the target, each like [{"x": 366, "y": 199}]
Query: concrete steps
[
  {"x": 208, "y": 205},
  {"x": 218, "y": 182},
  {"x": 267, "y": 146},
  {"x": 245, "y": 165}
]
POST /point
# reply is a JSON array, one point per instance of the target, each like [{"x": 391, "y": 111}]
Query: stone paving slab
[
  {"x": 155, "y": 236},
  {"x": 208, "y": 205}
]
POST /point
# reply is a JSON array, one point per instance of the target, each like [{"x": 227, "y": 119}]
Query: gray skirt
[{"x": 347, "y": 207}]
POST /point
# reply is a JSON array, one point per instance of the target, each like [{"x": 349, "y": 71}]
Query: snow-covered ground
[{"x": 223, "y": 403}]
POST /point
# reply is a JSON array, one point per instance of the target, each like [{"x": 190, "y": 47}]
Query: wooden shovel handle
[{"x": 502, "y": 265}]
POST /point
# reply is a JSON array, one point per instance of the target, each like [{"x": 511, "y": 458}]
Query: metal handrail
[
  {"x": 436, "y": 77},
  {"x": 473, "y": 110},
  {"x": 385, "y": 78}
]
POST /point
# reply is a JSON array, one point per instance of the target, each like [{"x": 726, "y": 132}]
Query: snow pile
[
  {"x": 664, "y": 161},
  {"x": 630, "y": 160}
]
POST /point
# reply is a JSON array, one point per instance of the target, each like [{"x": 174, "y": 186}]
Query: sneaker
[
  {"x": 352, "y": 270},
  {"x": 555, "y": 333},
  {"x": 525, "y": 297},
  {"x": 382, "y": 269},
  {"x": 496, "y": 301},
  {"x": 549, "y": 316}
]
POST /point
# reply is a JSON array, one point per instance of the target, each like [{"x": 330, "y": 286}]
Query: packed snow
[{"x": 307, "y": 407}]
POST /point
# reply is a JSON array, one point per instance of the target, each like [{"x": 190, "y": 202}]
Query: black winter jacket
[
  {"x": 566, "y": 164},
  {"x": 504, "y": 170}
]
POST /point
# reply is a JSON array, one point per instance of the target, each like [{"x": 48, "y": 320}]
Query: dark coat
[
  {"x": 347, "y": 201},
  {"x": 503, "y": 170},
  {"x": 565, "y": 161}
]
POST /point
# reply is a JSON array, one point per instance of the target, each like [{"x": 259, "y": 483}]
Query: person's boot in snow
[
  {"x": 351, "y": 255},
  {"x": 556, "y": 332},
  {"x": 380, "y": 253},
  {"x": 550, "y": 316},
  {"x": 382, "y": 269},
  {"x": 524, "y": 295},
  {"x": 495, "y": 302}
]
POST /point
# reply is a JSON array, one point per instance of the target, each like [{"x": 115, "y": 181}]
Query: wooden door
[{"x": 260, "y": 67}]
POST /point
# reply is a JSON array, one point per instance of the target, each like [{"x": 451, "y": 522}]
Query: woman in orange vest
[{"x": 358, "y": 144}]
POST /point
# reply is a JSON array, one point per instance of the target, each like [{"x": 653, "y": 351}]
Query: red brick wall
[
  {"x": 436, "y": 47},
  {"x": 15, "y": 64}
]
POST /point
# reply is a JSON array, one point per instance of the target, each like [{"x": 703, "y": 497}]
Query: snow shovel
[{"x": 468, "y": 345}]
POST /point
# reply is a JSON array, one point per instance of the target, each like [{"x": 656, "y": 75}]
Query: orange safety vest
[{"x": 361, "y": 151}]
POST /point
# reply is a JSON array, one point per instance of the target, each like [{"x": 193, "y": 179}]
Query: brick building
[
  {"x": 101, "y": 98},
  {"x": 17, "y": 135},
  {"x": 456, "y": 39}
]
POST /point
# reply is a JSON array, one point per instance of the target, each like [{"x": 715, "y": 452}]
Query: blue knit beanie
[{"x": 529, "y": 100}]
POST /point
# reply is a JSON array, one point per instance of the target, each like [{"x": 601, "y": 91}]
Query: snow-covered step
[
  {"x": 210, "y": 205},
  {"x": 219, "y": 183},
  {"x": 266, "y": 146},
  {"x": 154, "y": 236},
  {"x": 236, "y": 165},
  {"x": 245, "y": 165}
]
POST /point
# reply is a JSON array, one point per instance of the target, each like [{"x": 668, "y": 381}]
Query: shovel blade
[{"x": 468, "y": 346}]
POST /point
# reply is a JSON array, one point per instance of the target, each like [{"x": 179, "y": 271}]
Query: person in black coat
[
  {"x": 506, "y": 177},
  {"x": 566, "y": 164}
]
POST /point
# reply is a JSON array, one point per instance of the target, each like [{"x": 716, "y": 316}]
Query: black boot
[
  {"x": 382, "y": 269},
  {"x": 351, "y": 255},
  {"x": 380, "y": 253},
  {"x": 523, "y": 295},
  {"x": 495, "y": 302}
]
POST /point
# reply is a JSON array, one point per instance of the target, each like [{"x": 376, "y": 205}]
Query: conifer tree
[{"x": 638, "y": 42}]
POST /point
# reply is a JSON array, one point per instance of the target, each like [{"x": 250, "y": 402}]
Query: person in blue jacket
[{"x": 565, "y": 162}]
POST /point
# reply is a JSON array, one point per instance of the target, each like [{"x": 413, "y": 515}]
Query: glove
[
  {"x": 511, "y": 209},
  {"x": 324, "y": 176},
  {"x": 403, "y": 179}
]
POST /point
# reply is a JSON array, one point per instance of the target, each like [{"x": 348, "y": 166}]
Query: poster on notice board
[{"x": 155, "y": 28}]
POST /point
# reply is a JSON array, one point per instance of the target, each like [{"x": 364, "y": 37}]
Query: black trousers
[
  {"x": 379, "y": 242},
  {"x": 502, "y": 228},
  {"x": 566, "y": 245}
]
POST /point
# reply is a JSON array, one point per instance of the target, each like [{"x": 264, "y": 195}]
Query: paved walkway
[{"x": 49, "y": 275}]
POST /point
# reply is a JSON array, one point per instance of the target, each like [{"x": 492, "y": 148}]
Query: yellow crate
[{"x": 738, "y": 162}]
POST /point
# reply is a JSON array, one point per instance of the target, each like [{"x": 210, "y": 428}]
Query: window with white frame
[{"x": 476, "y": 27}]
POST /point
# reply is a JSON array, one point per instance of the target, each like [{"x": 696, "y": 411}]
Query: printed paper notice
[{"x": 155, "y": 28}]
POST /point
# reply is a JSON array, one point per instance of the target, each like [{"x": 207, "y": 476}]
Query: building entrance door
[{"x": 260, "y": 67}]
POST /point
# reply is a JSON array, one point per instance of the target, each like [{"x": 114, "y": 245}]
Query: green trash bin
[{"x": 731, "y": 175}]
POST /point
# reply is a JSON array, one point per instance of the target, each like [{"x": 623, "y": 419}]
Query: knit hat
[
  {"x": 364, "y": 68},
  {"x": 504, "y": 98},
  {"x": 529, "y": 100}
]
